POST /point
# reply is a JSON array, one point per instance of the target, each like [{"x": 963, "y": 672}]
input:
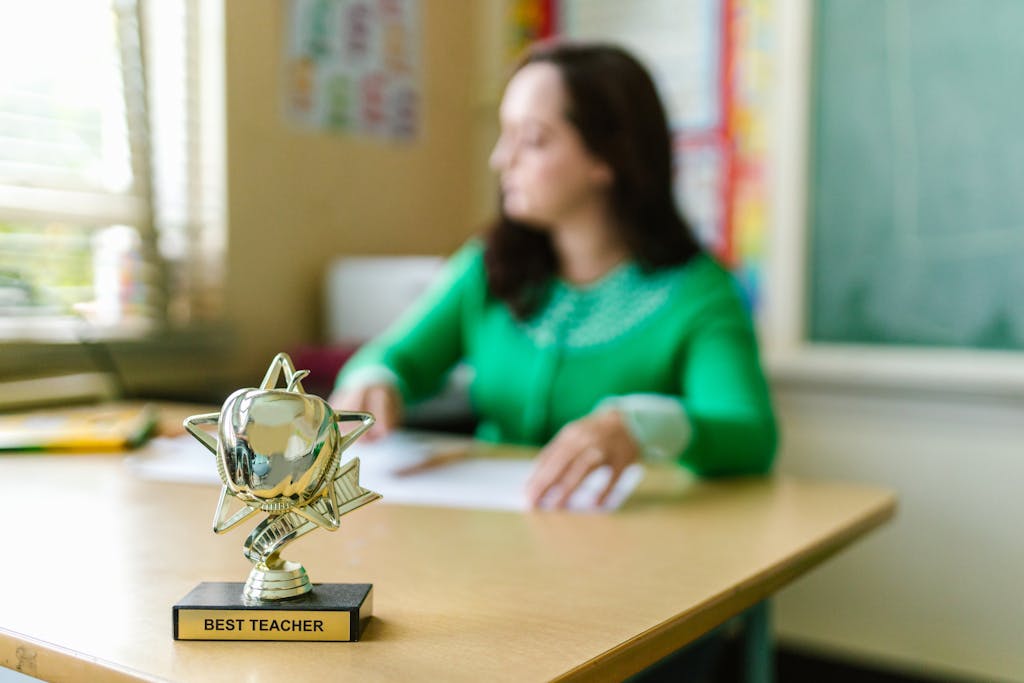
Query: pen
[{"x": 439, "y": 459}]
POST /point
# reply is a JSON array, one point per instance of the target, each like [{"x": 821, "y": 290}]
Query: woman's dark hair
[{"x": 614, "y": 105}]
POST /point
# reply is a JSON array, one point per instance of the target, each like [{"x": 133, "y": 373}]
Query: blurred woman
[{"x": 594, "y": 325}]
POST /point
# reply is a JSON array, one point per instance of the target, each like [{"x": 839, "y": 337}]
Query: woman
[{"x": 594, "y": 324}]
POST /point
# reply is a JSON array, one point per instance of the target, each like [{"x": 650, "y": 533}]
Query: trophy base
[
  {"x": 335, "y": 612},
  {"x": 288, "y": 581}
]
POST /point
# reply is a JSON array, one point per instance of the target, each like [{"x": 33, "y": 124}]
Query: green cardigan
[{"x": 680, "y": 334}]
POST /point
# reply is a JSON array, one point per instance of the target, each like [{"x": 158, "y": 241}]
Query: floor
[
  {"x": 719, "y": 660},
  {"x": 795, "y": 666}
]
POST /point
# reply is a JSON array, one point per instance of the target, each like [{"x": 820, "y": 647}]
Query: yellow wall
[{"x": 298, "y": 199}]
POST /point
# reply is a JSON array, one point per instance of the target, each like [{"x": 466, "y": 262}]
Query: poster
[
  {"x": 751, "y": 75},
  {"x": 711, "y": 60},
  {"x": 352, "y": 66},
  {"x": 678, "y": 41}
]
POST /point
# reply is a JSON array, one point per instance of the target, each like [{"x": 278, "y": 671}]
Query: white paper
[
  {"x": 178, "y": 459},
  {"x": 480, "y": 483}
]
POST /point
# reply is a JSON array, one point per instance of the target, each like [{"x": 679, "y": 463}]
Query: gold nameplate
[
  {"x": 336, "y": 612},
  {"x": 230, "y": 624}
]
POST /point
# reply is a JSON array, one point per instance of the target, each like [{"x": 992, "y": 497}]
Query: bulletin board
[{"x": 711, "y": 61}]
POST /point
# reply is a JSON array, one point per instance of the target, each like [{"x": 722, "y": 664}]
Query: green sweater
[{"x": 679, "y": 338}]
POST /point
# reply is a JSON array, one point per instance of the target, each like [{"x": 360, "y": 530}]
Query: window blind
[
  {"x": 184, "y": 42},
  {"x": 111, "y": 165}
]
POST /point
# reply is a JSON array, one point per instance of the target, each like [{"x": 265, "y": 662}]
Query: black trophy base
[{"x": 330, "y": 612}]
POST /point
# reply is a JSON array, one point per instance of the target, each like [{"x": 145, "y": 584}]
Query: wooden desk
[{"x": 93, "y": 559}]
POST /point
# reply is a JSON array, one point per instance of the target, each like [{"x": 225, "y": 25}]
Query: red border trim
[
  {"x": 726, "y": 104},
  {"x": 549, "y": 24}
]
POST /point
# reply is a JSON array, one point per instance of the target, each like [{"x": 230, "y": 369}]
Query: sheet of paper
[
  {"x": 480, "y": 483},
  {"x": 178, "y": 459}
]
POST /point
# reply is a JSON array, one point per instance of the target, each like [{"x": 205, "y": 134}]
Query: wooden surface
[{"x": 94, "y": 558}]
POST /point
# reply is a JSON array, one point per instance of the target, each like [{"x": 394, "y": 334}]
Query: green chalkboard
[{"x": 917, "y": 173}]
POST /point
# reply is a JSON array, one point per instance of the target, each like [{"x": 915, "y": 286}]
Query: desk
[{"x": 93, "y": 559}]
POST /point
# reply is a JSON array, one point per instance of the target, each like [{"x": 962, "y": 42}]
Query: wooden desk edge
[
  {"x": 647, "y": 648},
  {"x": 21, "y": 653}
]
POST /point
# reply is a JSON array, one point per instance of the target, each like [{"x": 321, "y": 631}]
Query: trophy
[{"x": 278, "y": 451}]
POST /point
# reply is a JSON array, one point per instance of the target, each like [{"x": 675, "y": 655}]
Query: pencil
[{"x": 439, "y": 459}]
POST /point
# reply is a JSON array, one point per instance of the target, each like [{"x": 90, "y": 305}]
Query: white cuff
[
  {"x": 368, "y": 375},
  {"x": 657, "y": 422}
]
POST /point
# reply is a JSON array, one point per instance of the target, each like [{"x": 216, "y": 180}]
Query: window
[{"x": 111, "y": 166}]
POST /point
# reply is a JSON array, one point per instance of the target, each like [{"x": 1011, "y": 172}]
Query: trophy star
[
  {"x": 220, "y": 524},
  {"x": 278, "y": 451},
  {"x": 343, "y": 495},
  {"x": 328, "y": 519}
]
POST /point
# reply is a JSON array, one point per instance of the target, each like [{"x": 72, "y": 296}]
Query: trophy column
[{"x": 286, "y": 580}]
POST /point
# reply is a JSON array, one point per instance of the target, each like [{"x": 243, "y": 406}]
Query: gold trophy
[{"x": 278, "y": 451}]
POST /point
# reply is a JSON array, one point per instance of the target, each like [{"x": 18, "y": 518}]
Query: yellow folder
[{"x": 85, "y": 428}]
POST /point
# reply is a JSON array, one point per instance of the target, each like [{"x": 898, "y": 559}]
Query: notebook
[{"x": 93, "y": 428}]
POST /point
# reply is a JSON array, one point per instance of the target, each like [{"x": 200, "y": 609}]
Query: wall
[
  {"x": 938, "y": 589},
  {"x": 298, "y": 199}
]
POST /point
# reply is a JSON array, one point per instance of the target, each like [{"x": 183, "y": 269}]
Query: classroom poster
[
  {"x": 528, "y": 21},
  {"x": 711, "y": 61},
  {"x": 678, "y": 40},
  {"x": 352, "y": 66},
  {"x": 750, "y": 37}
]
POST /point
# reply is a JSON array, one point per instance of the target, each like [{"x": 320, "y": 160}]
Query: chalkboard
[{"x": 916, "y": 187}]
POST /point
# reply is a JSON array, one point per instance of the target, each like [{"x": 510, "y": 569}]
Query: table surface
[{"x": 94, "y": 558}]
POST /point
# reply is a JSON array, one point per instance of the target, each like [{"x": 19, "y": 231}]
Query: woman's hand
[
  {"x": 382, "y": 400},
  {"x": 578, "y": 449}
]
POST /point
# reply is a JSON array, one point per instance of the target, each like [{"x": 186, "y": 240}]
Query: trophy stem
[{"x": 285, "y": 580}]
